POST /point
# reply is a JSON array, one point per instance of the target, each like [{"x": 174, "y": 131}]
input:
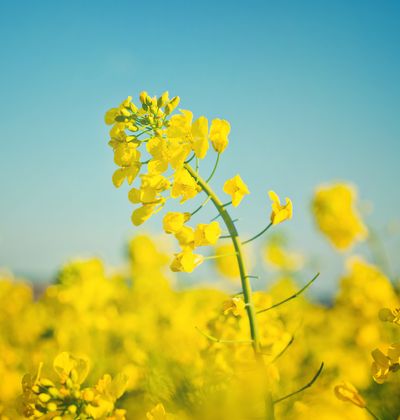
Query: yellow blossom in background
[
  {"x": 280, "y": 212},
  {"x": 207, "y": 234},
  {"x": 336, "y": 215},
  {"x": 236, "y": 188},
  {"x": 347, "y": 392},
  {"x": 380, "y": 367},
  {"x": 279, "y": 258},
  {"x": 390, "y": 315},
  {"x": 186, "y": 261},
  {"x": 219, "y": 132},
  {"x": 157, "y": 413},
  {"x": 225, "y": 261},
  {"x": 235, "y": 305}
]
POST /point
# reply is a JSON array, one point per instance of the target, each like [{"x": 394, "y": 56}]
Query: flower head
[
  {"x": 207, "y": 234},
  {"x": 347, "y": 392},
  {"x": 186, "y": 261},
  {"x": 219, "y": 132},
  {"x": 280, "y": 212},
  {"x": 236, "y": 188},
  {"x": 173, "y": 222}
]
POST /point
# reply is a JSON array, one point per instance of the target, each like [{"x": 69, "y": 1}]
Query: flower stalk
[{"x": 244, "y": 278}]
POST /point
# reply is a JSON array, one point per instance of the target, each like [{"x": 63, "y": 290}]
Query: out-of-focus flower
[
  {"x": 235, "y": 305},
  {"x": 336, "y": 216},
  {"x": 157, "y": 413},
  {"x": 347, "y": 392}
]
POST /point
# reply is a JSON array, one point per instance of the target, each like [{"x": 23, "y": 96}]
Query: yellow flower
[
  {"x": 219, "y": 132},
  {"x": 152, "y": 186},
  {"x": 185, "y": 237},
  {"x": 173, "y": 221},
  {"x": 347, "y": 392},
  {"x": 207, "y": 234},
  {"x": 335, "y": 213},
  {"x": 184, "y": 185},
  {"x": 128, "y": 172},
  {"x": 140, "y": 215},
  {"x": 380, "y": 366},
  {"x": 186, "y": 261},
  {"x": 126, "y": 154},
  {"x": 195, "y": 134},
  {"x": 278, "y": 257},
  {"x": 226, "y": 262},
  {"x": 280, "y": 212},
  {"x": 236, "y": 188},
  {"x": 157, "y": 413},
  {"x": 236, "y": 306},
  {"x": 165, "y": 152},
  {"x": 390, "y": 315}
]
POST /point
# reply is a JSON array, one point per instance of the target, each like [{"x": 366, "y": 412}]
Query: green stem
[
  {"x": 302, "y": 388},
  {"x": 246, "y": 287},
  {"x": 299, "y": 292},
  {"x": 373, "y": 415},
  {"x": 214, "y": 169},
  {"x": 258, "y": 235}
]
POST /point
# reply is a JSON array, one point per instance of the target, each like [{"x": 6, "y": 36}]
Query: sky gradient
[{"x": 311, "y": 90}]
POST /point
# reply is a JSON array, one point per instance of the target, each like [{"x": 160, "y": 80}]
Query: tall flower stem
[{"x": 246, "y": 286}]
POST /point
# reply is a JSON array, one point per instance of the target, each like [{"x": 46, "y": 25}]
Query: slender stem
[
  {"x": 246, "y": 287},
  {"x": 283, "y": 351},
  {"x": 258, "y": 235},
  {"x": 309, "y": 384},
  {"x": 299, "y": 292},
  {"x": 214, "y": 257},
  {"x": 214, "y": 169},
  {"x": 201, "y": 206},
  {"x": 372, "y": 413}
]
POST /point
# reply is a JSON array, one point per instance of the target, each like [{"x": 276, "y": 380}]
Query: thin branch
[
  {"x": 258, "y": 235},
  {"x": 283, "y": 351},
  {"x": 200, "y": 207},
  {"x": 309, "y": 384},
  {"x": 214, "y": 169},
  {"x": 219, "y": 340},
  {"x": 372, "y": 413},
  {"x": 298, "y": 293}
]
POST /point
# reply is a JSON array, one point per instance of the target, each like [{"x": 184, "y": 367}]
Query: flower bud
[
  {"x": 143, "y": 97},
  {"x": 173, "y": 103},
  {"x": 163, "y": 100}
]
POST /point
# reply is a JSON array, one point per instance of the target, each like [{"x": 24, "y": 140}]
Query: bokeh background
[{"x": 311, "y": 90}]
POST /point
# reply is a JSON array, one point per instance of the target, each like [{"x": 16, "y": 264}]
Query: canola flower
[
  {"x": 137, "y": 324},
  {"x": 336, "y": 215},
  {"x": 66, "y": 399},
  {"x": 131, "y": 323},
  {"x": 171, "y": 143}
]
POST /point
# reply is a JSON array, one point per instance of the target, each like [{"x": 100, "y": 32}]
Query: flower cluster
[
  {"x": 66, "y": 399},
  {"x": 335, "y": 213},
  {"x": 167, "y": 141}
]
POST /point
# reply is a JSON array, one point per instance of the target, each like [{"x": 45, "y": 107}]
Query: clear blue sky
[{"x": 311, "y": 89}]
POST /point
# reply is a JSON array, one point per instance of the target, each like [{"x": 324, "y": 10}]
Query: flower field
[{"x": 128, "y": 343}]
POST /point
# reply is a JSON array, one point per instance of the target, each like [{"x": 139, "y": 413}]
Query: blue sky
[{"x": 311, "y": 90}]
